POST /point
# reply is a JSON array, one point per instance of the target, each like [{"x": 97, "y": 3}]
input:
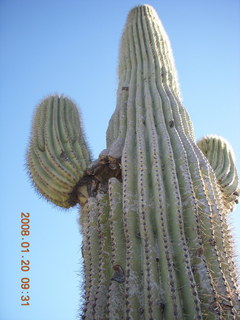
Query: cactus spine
[{"x": 156, "y": 243}]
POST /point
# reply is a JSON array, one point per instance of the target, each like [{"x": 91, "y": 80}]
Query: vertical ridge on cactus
[{"x": 156, "y": 242}]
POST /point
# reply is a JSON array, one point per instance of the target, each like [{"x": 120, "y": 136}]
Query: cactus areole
[{"x": 154, "y": 205}]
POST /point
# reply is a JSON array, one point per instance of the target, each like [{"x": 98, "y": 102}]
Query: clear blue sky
[{"x": 71, "y": 47}]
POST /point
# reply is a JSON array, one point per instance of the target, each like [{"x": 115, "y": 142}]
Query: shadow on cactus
[{"x": 154, "y": 205}]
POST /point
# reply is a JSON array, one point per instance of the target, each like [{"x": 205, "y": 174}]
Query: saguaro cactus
[{"x": 154, "y": 205}]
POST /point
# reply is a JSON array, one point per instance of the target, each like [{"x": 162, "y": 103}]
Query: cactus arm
[
  {"x": 57, "y": 155},
  {"x": 221, "y": 158}
]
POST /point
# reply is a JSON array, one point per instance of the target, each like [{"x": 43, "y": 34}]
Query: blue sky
[{"x": 71, "y": 47}]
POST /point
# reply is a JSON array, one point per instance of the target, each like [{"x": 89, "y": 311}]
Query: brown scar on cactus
[{"x": 154, "y": 205}]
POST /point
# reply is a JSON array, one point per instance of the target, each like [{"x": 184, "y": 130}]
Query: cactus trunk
[
  {"x": 156, "y": 242},
  {"x": 169, "y": 237}
]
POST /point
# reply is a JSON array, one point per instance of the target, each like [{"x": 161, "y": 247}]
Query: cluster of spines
[{"x": 58, "y": 154}]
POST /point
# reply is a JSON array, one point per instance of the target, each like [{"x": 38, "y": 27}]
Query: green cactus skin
[
  {"x": 221, "y": 158},
  {"x": 58, "y": 154},
  {"x": 175, "y": 231},
  {"x": 156, "y": 242}
]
